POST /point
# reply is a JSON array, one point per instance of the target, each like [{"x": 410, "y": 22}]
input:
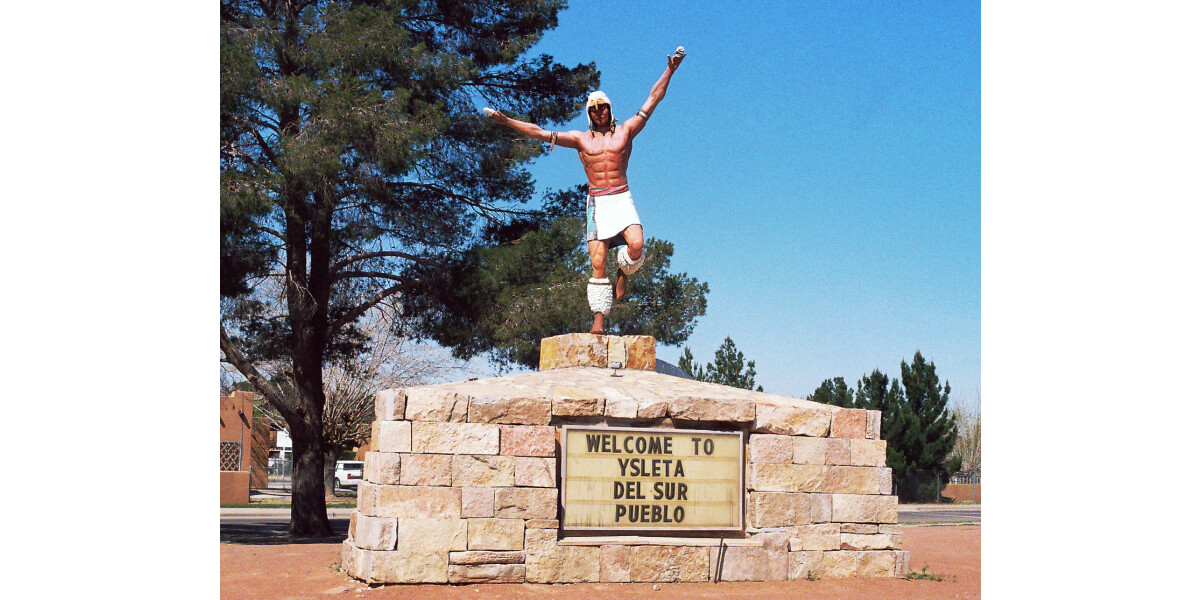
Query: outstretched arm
[
  {"x": 657, "y": 93},
  {"x": 570, "y": 139}
]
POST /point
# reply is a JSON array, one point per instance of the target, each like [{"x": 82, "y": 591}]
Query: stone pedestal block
[
  {"x": 535, "y": 472},
  {"x": 392, "y": 436},
  {"x": 389, "y": 405},
  {"x": 425, "y": 469},
  {"x": 456, "y": 438},
  {"x": 771, "y": 477},
  {"x": 527, "y": 440},
  {"x": 768, "y": 448},
  {"x": 495, "y": 534},
  {"x": 669, "y": 563},
  {"x": 812, "y": 421},
  {"x": 849, "y": 423},
  {"x": 435, "y": 404},
  {"x": 516, "y": 410},
  {"x": 419, "y": 502},
  {"x": 382, "y": 468},
  {"x": 851, "y": 508},
  {"x": 615, "y": 564},
  {"x": 486, "y": 574},
  {"x": 526, "y": 503}
]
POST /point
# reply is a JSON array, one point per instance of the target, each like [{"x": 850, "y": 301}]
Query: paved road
[{"x": 937, "y": 513}]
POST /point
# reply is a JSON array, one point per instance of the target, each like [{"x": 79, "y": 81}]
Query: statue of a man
[{"x": 612, "y": 220}]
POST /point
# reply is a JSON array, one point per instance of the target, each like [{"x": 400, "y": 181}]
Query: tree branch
[
  {"x": 374, "y": 274},
  {"x": 358, "y": 311},
  {"x": 234, "y": 357},
  {"x": 393, "y": 254}
]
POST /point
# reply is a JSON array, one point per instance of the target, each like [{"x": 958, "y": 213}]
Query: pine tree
[
  {"x": 834, "y": 391},
  {"x": 688, "y": 364},
  {"x": 898, "y": 425},
  {"x": 927, "y": 466}
]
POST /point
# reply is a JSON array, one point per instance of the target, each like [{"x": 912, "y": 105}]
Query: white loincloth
[{"x": 608, "y": 216}]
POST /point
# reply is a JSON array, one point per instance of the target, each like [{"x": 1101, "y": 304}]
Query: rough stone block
[
  {"x": 840, "y": 564},
  {"x": 573, "y": 350},
  {"x": 575, "y": 402},
  {"x": 519, "y": 410},
  {"x": 353, "y": 560},
  {"x": 820, "y": 508},
  {"x": 394, "y": 436},
  {"x": 874, "y": 422},
  {"x": 772, "y": 477},
  {"x": 419, "y": 502},
  {"x": 456, "y": 438},
  {"x": 868, "y": 453},
  {"x": 903, "y": 563},
  {"x": 469, "y": 470},
  {"x": 699, "y": 408},
  {"x": 485, "y": 574},
  {"x": 804, "y": 564},
  {"x": 776, "y": 545},
  {"x": 639, "y": 352},
  {"x": 737, "y": 563},
  {"x": 373, "y": 533},
  {"x": 443, "y": 535},
  {"x": 541, "y": 524},
  {"x": 809, "y": 450},
  {"x": 478, "y": 502},
  {"x": 425, "y": 469},
  {"x": 861, "y": 528},
  {"x": 435, "y": 404},
  {"x": 849, "y": 423},
  {"x": 838, "y": 452},
  {"x": 876, "y": 564},
  {"x": 382, "y": 468},
  {"x": 853, "y": 508},
  {"x": 669, "y": 563},
  {"x": 653, "y": 408},
  {"x": 408, "y": 564},
  {"x": 879, "y": 541},
  {"x": 486, "y": 557},
  {"x": 535, "y": 472},
  {"x": 791, "y": 420},
  {"x": 389, "y": 405},
  {"x": 615, "y": 563},
  {"x": 616, "y": 349},
  {"x": 527, "y": 503},
  {"x": 618, "y": 404},
  {"x": 368, "y": 499},
  {"x": 885, "y": 481},
  {"x": 495, "y": 534},
  {"x": 547, "y": 562},
  {"x": 768, "y": 448},
  {"x": 778, "y": 509},
  {"x": 851, "y": 480},
  {"x": 823, "y": 536},
  {"x": 527, "y": 440}
]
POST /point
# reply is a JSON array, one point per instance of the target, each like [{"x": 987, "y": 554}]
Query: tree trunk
[
  {"x": 309, "y": 518},
  {"x": 330, "y": 469}
]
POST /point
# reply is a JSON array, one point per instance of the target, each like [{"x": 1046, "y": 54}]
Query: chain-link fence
[
  {"x": 279, "y": 473},
  {"x": 933, "y": 487}
]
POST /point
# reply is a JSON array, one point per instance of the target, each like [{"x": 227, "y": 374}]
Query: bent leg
[{"x": 629, "y": 257}]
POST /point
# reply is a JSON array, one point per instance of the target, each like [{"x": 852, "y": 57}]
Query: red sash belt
[{"x": 608, "y": 191}]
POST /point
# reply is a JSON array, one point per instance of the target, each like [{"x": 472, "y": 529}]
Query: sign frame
[{"x": 741, "y": 496}]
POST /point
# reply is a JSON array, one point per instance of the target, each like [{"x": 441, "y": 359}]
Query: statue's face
[{"x": 601, "y": 115}]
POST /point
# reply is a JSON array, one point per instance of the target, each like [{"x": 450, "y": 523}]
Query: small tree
[
  {"x": 729, "y": 367},
  {"x": 968, "y": 447},
  {"x": 926, "y": 466},
  {"x": 834, "y": 391}
]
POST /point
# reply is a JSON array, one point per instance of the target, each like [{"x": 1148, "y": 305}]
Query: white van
[{"x": 348, "y": 473}]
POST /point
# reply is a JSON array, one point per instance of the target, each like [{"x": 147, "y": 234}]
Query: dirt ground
[{"x": 286, "y": 571}]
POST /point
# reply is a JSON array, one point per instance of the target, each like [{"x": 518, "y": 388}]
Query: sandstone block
[
  {"x": 408, "y": 564},
  {"x": 778, "y": 509},
  {"x": 527, "y": 503},
  {"x": 849, "y": 423},
  {"x": 486, "y": 574},
  {"x": 575, "y": 402},
  {"x": 547, "y": 562},
  {"x": 443, "y": 535},
  {"x": 699, "y": 408},
  {"x": 495, "y": 534},
  {"x": 885, "y": 481},
  {"x": 853, "y": 508},
  {"x": 478, "y": 502},
  {"x": 809, "y": 450},
  {"x": 861, "y": 528},
  {"x": 639, "y": 352},
  {"x": 382, "y": 468},
  {"x": 770, "y": 477},
  {"x": 669, "y": 563},
  {"x": 838, "y": 452},
  {"x": 353, "y": 560},
  {"x": 541, "y": 524},
  {"x": 615, "y": 563},
  {"x": 776, "y": 545},
  {"x": 425, "y": 469},
  {"x": 419, "y": 502},
  {"x": 535, "y": 472},
  {"x": 573, "y": 350},
  {"x": 527, "y": 440},
  {"x": 653, "y": 407},
  {"x": 851, "y": 480},
  {"x": 879, "y": 541},
  {"x": 368, "y": 499},
  {"x": 823, "y": 536},
  {"x": 903, "y": 563},
  {"x": 394, "y": 436},
  {"x": 767, "y": 448},
  {"x": 791, "y": 420},
  {"x": 456, "y": 438},
  {"x": 616, "y": 349},
  {"x": 737, "y": 564},
  {"x": 373, "y": 533},
  {"x": 876, "y": 564},
  {"x": 389, "y": 405},
  {"x": 618, "y": 404},
  {"x": 868, "y": 453},
  {"x": 435, "y": 404},
  {"x": 892, "y": 529},
  {"x": 821, "y": 507},
  {"x": 874, "y": 422},
  {"x": 840, "y": 564},
  {"x": 803, "y": 564},
  {"x": 469, "y": 470},
  {"x": 486, "y": 557},
  {"x": 520, "y": 410}
]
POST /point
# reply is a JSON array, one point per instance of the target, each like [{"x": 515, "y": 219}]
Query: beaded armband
[{"x": 643, "y": 114}]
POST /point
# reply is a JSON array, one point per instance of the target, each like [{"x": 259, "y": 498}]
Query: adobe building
[
  {"x": 598, "y": 469},
  {"x": 244, "y": 445}
]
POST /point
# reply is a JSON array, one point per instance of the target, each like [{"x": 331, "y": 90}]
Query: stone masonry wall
[{"x": 461, "y": 480}]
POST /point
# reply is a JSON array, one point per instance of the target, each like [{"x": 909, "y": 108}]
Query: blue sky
[{"x": 816, "y": 163}]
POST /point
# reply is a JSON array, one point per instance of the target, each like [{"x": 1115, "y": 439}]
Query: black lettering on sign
[
  {"x": 620, "y": 512},
  {"x": 678, "y": 513},
  {"x": 709, "y": 446},
  {"x": 618, "y": 490},
  {"x": 696, "y": 445},
  {"x": 667, "y": 446},
  {"x": 628, "y": 450},
  {"x": 593, "y": 443},
  {"x": 655, "y": 445}
]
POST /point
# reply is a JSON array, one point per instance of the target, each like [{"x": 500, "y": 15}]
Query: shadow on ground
[{"x": 276, "y": 533}]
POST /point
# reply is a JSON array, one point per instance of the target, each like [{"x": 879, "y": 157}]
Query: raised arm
[
  {"x": 570, "y": 139},
  {"x": 636, "y": 123}
]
